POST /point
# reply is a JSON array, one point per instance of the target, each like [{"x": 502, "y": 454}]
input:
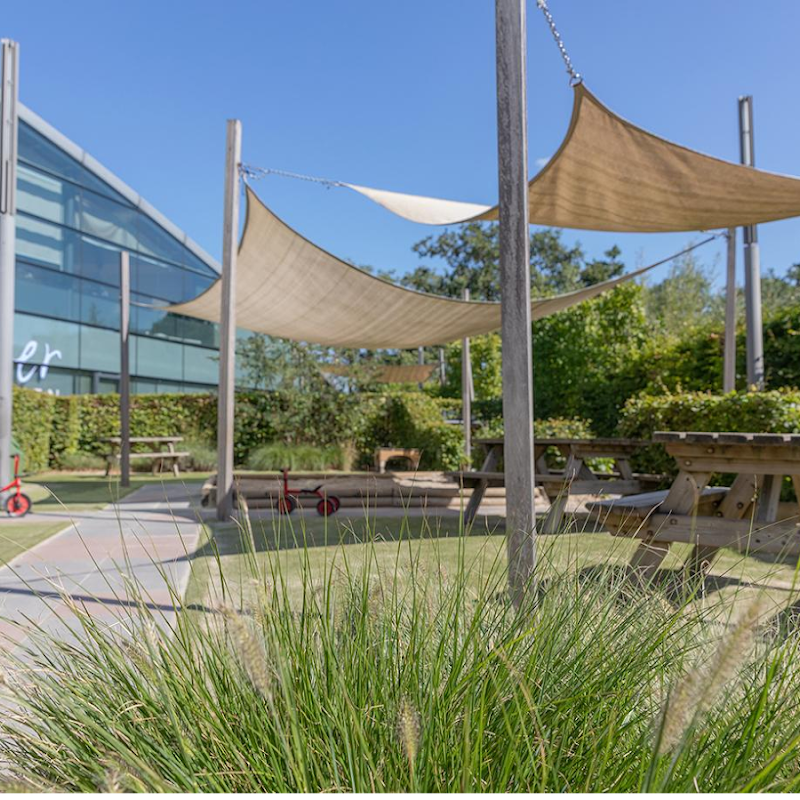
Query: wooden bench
[
  {"x": 384, "y": 454},
  {"x": 576, "y": 478},
  {"x": 160, "y": 458},
  {"x": 744, "y": 517}
]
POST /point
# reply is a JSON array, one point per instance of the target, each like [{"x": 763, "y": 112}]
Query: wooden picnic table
[
  {"x": 159, "y": 457},
  {"x": 577, "y": 477},
  {"x": 747, "y": 516}
]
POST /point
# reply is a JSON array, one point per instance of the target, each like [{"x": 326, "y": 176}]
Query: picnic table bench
[
  {"x": 577, "y": 477},
  {"x": 160, "y": 458},
  {"x": 745, "y": 516}
]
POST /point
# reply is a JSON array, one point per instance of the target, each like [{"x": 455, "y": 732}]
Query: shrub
[
  {"x": 81, "y": 461},
  {"x": 306, "y": 457},
  {"x": 384, "y": 672},
  {"x": 202, "y": 455},
  {"x": 776, "y": 411},
  {"x": 412, "y": 420},
  {"x": 32, "y": 426}
]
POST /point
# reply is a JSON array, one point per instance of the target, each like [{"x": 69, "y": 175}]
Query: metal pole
[
  {"x": 420, "y": 360},
  {"x": 729, "y": 360},
  {"x": 752, "y": 260},
  {"x": 8, "y": 208},
  {"x": 442, "y": 371},
  {"x": 466, "y": 393},
  {"x": 515, "y": 290},
  {"x": 227, "y": 345},
  {"x": 124, "y": 369}
]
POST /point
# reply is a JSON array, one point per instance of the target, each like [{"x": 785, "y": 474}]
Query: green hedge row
[
  {"x": 51, "y": 428},
  {"x": 776, "y": 411}
]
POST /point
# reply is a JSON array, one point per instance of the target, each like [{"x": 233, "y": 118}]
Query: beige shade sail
[
  {"x": 611, "y": 175},
  {"x": 383, "y": 373},
  {"x": 287, "y": 286}
]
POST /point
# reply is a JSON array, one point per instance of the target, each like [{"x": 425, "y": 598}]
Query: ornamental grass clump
[{"x": 379, "y": 667}]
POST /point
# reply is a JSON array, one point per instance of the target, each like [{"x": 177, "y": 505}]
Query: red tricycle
[
  {"x": 327, "y": 504},
  {"x": 17, "y": 504}
]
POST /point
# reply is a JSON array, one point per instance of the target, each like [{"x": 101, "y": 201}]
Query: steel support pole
[
  {"x": 442, "y": 369},
  {"x": 752, "y": 260},
  {"x": 729, "y": 358},
  {"x": 9, "y": 92},
  {"x": 124, "y": 369},
  {"x": 466, "y": 392},
  {"x": 227, "y": 344},
  {"x": 515, "y": 289},
  {"x": 420, "y": 361}
]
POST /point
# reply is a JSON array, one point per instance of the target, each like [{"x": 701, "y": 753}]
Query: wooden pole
[
  {"x": 124, "y": 369},
  {"x": 8, "y": 209},
  {"x": 752, "y": 260},
  {"x": 729, "y": 360},
  {"x": 227, "y": 344},
  {"x": 466, "y": 392},
  {"x": 515, "y": 289}
]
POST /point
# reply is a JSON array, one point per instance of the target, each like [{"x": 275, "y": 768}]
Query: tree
[
  {"x": 472, "y": 254},
  {"x": 684, "y": 299}
]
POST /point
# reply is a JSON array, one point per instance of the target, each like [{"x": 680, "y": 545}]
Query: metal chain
[
  {"x": 575, "y": 76},
  {"x": 249, "y": 171}
]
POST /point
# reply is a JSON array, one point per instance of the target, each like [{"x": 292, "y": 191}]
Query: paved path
[{"x": 146, "y": 539}]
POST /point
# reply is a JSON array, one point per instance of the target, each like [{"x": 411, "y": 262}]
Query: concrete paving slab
[{"x": 145, "y": 541}]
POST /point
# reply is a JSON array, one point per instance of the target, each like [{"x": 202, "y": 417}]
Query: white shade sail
[
  {"x": 611, "y": 175},
  {"x": 287, "y": 286}
]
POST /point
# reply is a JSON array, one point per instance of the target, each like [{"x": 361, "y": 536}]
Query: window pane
[
  {"x": 139, "y": 386},
  {"x": 47, "y": 244},
  {"x": 100, "y": 305},
  {"x": 157, "y": 358},
  {"x": 200, "y": 266},
  {"x": 44, "y": 341},
  {"x": 42, "y": 291},
  {"x": 194, "y": 285},
  {"x": 151, "y": 321},
  {"x": 99, "y": 350},
  {"x": 196, "y": 331},
  {"x": 155, "y": 279},
  {"x": 200, "y": 365},
  {"x": 99, "y": 261},
  {"x": 108, "y": 220},
  {"x": 155, "y": 241},
  {"x": 35, "y": 149},
  {"x": 47, "y": 197}
]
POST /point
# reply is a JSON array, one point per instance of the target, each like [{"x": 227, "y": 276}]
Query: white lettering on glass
[{"x": 27, "y": 354}]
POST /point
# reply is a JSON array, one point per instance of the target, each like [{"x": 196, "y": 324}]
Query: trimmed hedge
[
  {"x": 32, "y": 426},
  {"x": 51, "y": 429},
  {"x": 776, "y": 411}
]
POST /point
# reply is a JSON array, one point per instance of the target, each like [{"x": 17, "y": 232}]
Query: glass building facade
[{"x": 71, "y": 226}]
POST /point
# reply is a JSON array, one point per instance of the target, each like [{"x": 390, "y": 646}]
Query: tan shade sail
[
  {"x": 287, "y": 286},
  {"x": 384, "y": 373},
  {"x": 610, "y": 175}
]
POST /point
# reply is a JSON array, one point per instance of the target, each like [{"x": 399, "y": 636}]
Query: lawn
[
  {"x": 17, "y": 537},
  {"x": 75, "y": 491},
  {"x": 295, "y": 549}
]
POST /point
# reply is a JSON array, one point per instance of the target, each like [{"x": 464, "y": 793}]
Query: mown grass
[
  {"x": 54, "y": 491},
  {"x": 400, "y": 665}
]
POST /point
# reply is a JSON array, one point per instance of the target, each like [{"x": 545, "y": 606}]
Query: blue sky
[{"x": 398, "y": 95}]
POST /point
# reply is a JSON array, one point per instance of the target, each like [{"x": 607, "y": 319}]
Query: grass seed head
[{"x": 408, "y": 730}]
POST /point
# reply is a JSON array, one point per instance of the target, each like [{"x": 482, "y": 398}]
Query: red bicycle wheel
[
  {"x": 18, "y": 505},
  {"x": 337, "y": 503},
  {"x": 286, "y": 504},
  {"x": 326, "y": 507}
]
